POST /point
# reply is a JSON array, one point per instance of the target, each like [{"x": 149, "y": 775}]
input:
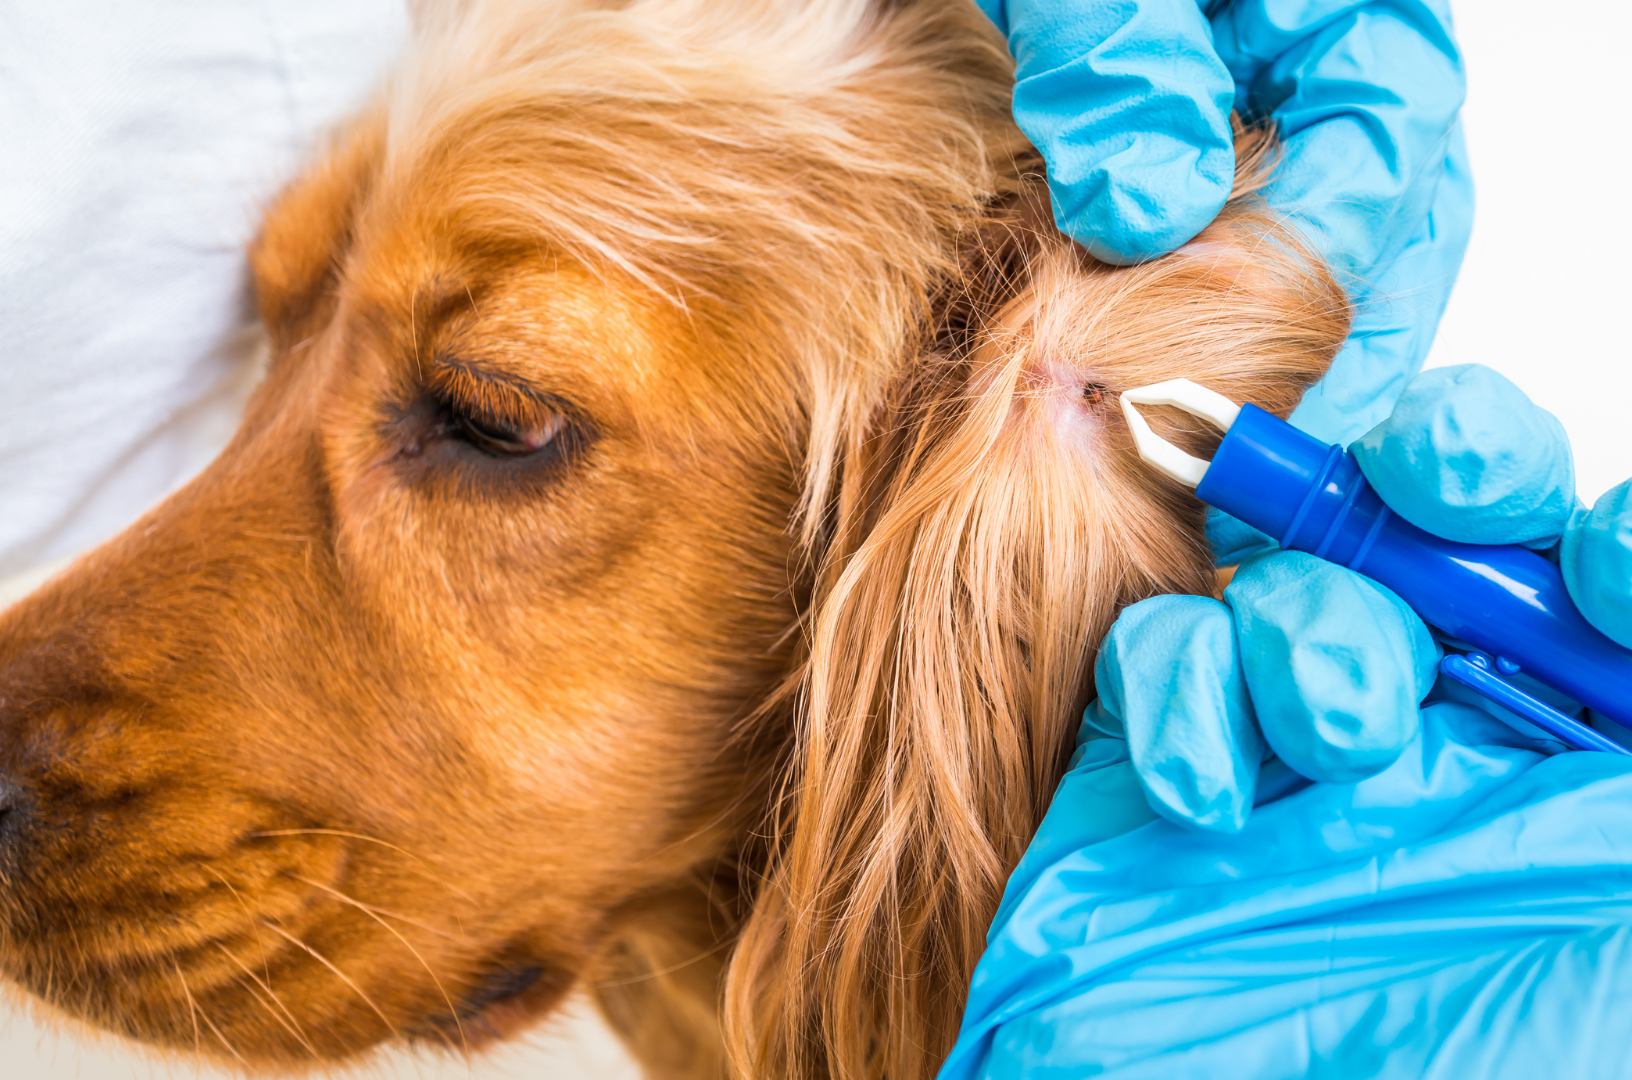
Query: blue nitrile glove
[
  {"x": 1466, "y": 455},
  {"x": 1129, "y": 103},
  {"x": 1596, "y": 558},
  {"x": 1463, "y": 911},
  {"x": 1464, "y": 915},
  {"x": 1323, "y": 665}
]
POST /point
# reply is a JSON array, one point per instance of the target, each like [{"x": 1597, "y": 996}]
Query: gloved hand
[
  {"x": 1129, "y": 104},
  {"x": 1466, "y": 911},
  {"x": 1323, "y": 665}
]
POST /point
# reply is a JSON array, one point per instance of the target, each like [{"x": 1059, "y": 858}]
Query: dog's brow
[
  {"x": 440, "y": 299},
  {"x": 417, "y": 317},
  {"x": 473, "y": 380}
]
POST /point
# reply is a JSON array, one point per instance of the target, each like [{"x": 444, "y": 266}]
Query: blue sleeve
[
  {"x": 1366, "y": 96},
  {"x": 1467, "y": 912}
]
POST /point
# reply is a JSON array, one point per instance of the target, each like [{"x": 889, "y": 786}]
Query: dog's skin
[{"x": 665, "y": 555}]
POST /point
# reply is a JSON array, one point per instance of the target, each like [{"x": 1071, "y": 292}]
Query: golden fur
[{"x": 666, "y": 556}]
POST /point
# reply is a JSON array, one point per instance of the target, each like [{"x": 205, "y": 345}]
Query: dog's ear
[
  {"x": 950, "y": 662},
  {"x": 1003, "y": 522},
  {"x": 297, "y": 257}
]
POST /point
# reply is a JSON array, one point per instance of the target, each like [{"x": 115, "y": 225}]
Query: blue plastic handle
[
  {"x": 1473, "y": 670},
  {"x": 1507, "y": 601}
]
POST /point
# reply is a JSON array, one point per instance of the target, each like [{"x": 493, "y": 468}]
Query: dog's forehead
[{"x": 466, "y": 256}]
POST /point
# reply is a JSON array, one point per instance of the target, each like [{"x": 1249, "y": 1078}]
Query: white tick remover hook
[
  {"x": 1504, "y": 610},
  {"x": 1168, "y": 459}
]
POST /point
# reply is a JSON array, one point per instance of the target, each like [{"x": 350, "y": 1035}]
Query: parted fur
[
  {"x": 666, "y": 557},
  {"x": 1004, "y": 520}
]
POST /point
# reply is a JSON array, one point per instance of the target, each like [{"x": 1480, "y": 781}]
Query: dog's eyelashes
[
  {"x": 502, "y": 438},
  {"x": 433, "y": 436},
  {"x": 491, "y": 412}
]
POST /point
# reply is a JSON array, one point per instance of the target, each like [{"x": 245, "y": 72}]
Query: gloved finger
[
  {"x": 1169, "y": 672},
  {"x": 1130, "y": 107},
  {"x": 1468, "y": 457},
  {"x": 1233, "y": 540},
  {"x": 1335, "y": 664},
  {"x": 1395, "y": 318},
  {"x": 1596, "y": 558},
  {"x": 1365, "y": 95},
  {"x": 1460, "y": 915}
]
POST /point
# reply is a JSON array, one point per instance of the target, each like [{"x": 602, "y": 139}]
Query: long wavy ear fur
[{"x": 1000, "y": 521}]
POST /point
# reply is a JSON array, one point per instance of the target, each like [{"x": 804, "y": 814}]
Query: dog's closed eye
[
  {"x": 504, "y": 438},
  {"x": 483, "y": 425}
]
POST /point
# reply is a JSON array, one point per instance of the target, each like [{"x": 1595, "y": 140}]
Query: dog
[{"x": 665, "y": 556}]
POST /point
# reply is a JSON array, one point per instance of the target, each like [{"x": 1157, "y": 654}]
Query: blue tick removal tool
[{"x": 1505, "y": 608}]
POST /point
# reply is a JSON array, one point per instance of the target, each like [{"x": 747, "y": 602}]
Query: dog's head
[{"x": 682, "y": 505}]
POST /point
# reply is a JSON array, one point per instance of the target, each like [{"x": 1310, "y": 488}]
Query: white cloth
[{"x": 139, "y": 145}]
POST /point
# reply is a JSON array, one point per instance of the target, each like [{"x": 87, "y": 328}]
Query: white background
[
  {"x": 1543, "y": 297},
  {"x": 1547, "y": 286}
]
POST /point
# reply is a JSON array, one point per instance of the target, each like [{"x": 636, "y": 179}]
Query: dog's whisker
[
  {"x": 460, "y": 893},
  {"x": 427, "y": 927},
  {"x": 452, "y": 1012},
  {"x": 413, "y": 329},
  {"x": 199, "y": 1013},
  {"x": 342, "y": 976},
  {"x": 648, "y": 976},
  {"x": 231, "y": 1049},
  {"x": 256, "y": 987},
  {"x": 192, "y": 1009},
  {"x": 266, "y": 964}
]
